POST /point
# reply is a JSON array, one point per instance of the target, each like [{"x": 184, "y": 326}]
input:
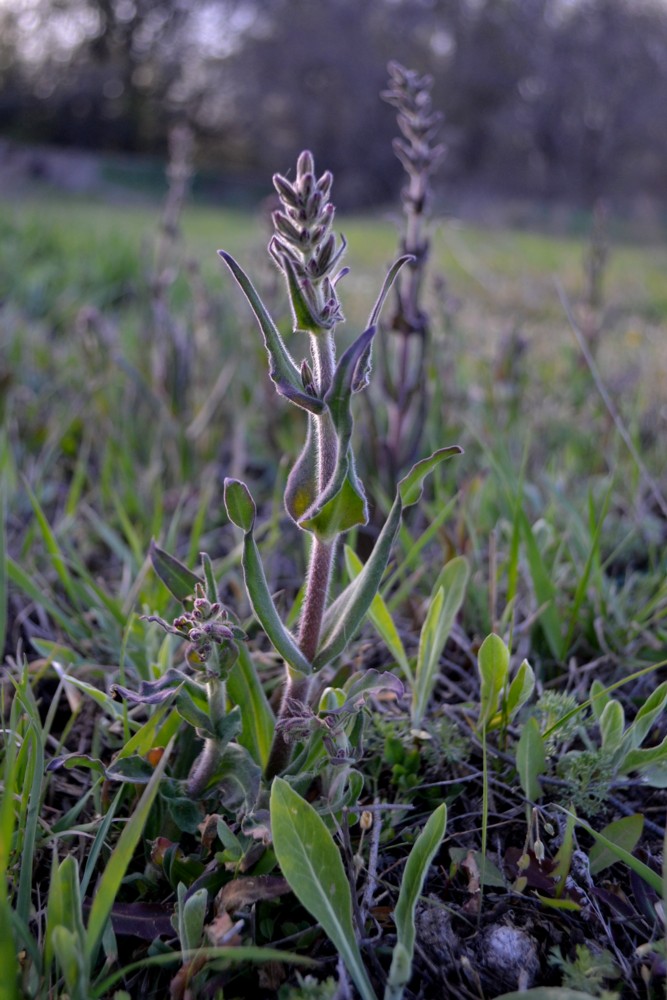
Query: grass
[{"x": 119, "y": 423}]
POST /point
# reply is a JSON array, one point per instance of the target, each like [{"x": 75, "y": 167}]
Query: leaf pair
[{"x": 347, "y": 612}]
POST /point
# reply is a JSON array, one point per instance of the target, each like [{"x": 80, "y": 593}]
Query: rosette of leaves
[{"x": 324, "y": 495}]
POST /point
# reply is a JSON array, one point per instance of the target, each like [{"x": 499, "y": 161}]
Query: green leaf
[
  {"x": 599, "y": 698},
  {"x": 389, "y": 280},
  {"x": 8, "y": 956},
  {"x": 304, "y": 320},
  {"x": 301, "y": 487},
  {"x": 346, "y": 613},
  {"x": 265, "y": 610},
  {"x": 612, "y": 725},
  {"x": 239, "y": 504},
  {"x": 177, "y": 578},
  {"x": 545, "y": 591},
  {"x": 410, "y": 487},
  {"x": 312, "y": 865},
  {"x": 282, "y": 369},
  {"x": 346, "y": 509},
  {"x": 342, "y": 504},
  {"x": 624, "y": 833},
  {"x": 71, "y": 961},
  {"x": 493, "y": 662},
  {"x": 520, "y": 690},
  {"x": 531, "y": 759},
  {"x": 380, "y": 616},
  {"x": 191, "y": 916},
  {"x": 446, "y": 601},
  {"x": 416, "y": 868},
  {"x": 621, "y": 854},
  {"x": 644, "y": 758},
  {"x": 647, "y": 715}
]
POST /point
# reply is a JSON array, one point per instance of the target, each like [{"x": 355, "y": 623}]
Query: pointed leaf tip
[
  {"x": 239, "y": 504},
  {"x": 410, "y": 487}
]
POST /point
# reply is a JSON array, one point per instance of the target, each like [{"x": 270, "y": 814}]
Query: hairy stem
[{"x": 320, "y": 560}]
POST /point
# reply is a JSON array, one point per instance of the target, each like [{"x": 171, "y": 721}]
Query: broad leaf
[
  {"x": 624, "y": 833},
  {"x": 493, "y": 661},
  {"x": 311, "y": 863}
]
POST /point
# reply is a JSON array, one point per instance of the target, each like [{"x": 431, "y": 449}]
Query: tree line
[{"x": 547, "y": 98}]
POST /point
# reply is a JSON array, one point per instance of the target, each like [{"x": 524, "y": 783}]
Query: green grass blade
[
  {"x": 416, "y": 868},
  {"x": 446, "y": 600},
  {"x": 120, "y": 859},
  {"x": 545, "y": 591},
  {"x": 311, "y": 863},
  {"x": 380, "y": 617},
  {"x": 3, "y": 563},
  {"x": 34, "y": 778},
  {"x": 245, "y": 690}
]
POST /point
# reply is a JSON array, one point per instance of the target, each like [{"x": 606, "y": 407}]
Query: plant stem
[{"x": 320, "y": 560}]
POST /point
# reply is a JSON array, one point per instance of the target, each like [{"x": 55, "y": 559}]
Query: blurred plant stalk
[{"x": 404, "y": 379}]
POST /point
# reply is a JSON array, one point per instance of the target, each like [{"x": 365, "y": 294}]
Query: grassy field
[{"x": 133, "y": 380}]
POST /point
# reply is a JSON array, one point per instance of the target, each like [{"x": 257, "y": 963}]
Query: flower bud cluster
[
  {"x": 410, "y": 94},
  {"x": 304, "y": 241},
  {"x": 203, "y": 627}
]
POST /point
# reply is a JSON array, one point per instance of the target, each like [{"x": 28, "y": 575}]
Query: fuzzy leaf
[
  {"x": 245, "y": 690},
  {"x": 265, "y": 610},
  {"x": 177, "y": 578},
  {"x": 392, "y": 273},
  {"x": 240, "y": 505},
  {"x": 311, "y": 863},
  {"x": 410, "y": 487},
  {"x": 304, "y": 319},
  {"x": 282, "y": 368},
  {"x": 191, "y": 916},
  {"x": 346, "y": 509},
  {"x": 301, "y": 487}
]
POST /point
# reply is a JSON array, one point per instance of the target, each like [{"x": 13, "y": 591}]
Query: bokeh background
[{"x": 558, "y": 101}]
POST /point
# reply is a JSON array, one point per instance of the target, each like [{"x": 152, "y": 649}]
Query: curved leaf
[
  {"x": 282, "y": 368},
  {"x": 265, "y": 610}
]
